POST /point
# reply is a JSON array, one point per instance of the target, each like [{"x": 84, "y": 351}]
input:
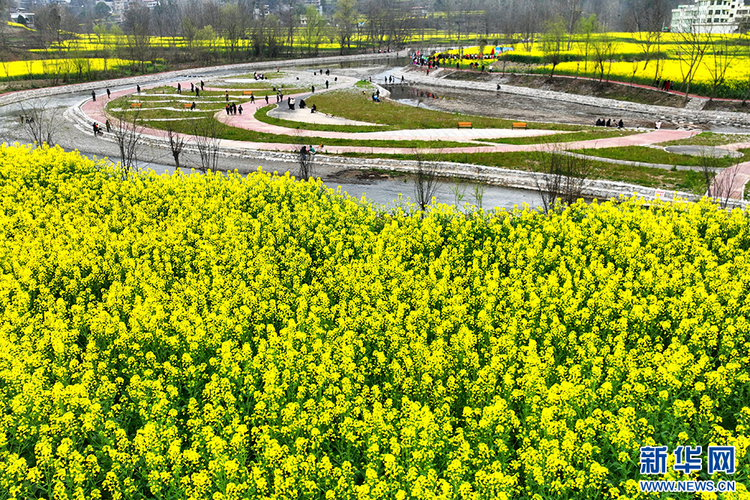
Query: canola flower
[
  {"x": 214, "y": 336},
  {"x": 46, "y": 67}
]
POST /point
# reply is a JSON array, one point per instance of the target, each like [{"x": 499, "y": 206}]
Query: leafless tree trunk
[
  {"x": 719, "y": 182},
  {"x": 692, "y": 46},
  {"x": 563, "y": 177},
  {"x": 128, "y": 135},
  {"x": 176, "y": 143},
  {"x": 425, "y": 180},
  {"x": 206, "y": 132},
  {"x": 306, "y": 162},
  {"x": 39, "y": 122}
]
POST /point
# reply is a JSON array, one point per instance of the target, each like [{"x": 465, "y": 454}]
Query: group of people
[
  {"x": 391, "y": 79},
  {"x": 260, "y": 76},
  {"x": 233, "y": 109},
  {"x": 609, "y": 122},
  {"x": 665, "y": 85},
  {"x": 194, "y": 87},
  {"x": 98, "y": 130}
]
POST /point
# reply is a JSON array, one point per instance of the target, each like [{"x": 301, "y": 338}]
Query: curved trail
[{"x": 94, "y": 110}]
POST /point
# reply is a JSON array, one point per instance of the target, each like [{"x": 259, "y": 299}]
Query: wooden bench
[
  {"x": 247, "y": 92},
  {"x": 464, "y": 125},
  {"x": 135, "y": 104},
  {"x": 519, "y": 125}
]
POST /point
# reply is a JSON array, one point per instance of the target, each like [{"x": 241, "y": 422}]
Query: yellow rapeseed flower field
[
  {"x": 47, "y": 67},
  {"x": 225, "y": 337}
]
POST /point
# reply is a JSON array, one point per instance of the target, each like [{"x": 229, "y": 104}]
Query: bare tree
[
  {"x": 553, "y": 42},
  {"x": 722, "y": 187},
  {"x": 723, "y": 51},
  {"x": 719, "y": 182},
  {"x": 604, "y": 50},
  {"x": 425, "y": 180},
  {"x": 691, "y": 48},
  {"x": 563, "y": 177},
  {"x": 128, "y": 133},
  {"x": 306, "y": 159},
  {"x": 176, "y": 142},
  {"x": 206, "y": 132},
  {"x": 39, "y": 122}
]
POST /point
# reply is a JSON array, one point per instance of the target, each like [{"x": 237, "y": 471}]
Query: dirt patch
[
  {"x": 728, "y": 106},
  {"x": 365, "y": 176}
]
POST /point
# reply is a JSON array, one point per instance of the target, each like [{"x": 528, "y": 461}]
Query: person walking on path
[
  {"x": 226, "y": 94},
  {"x": 108, "y": 93},
  {"x": 252, "y": 99},
  {"x": 313, "y": 89},
  {"x": 192, "y": 87},
  {"x": 240, "y": 109},
  {"x": 138, "y": 88},
  {"x": 93, "y": 95},
  {"x": 197, "y": 92},
  {"x": 106, "y": 124},
  {"x": 326, "y": 84},
  {"x": 201, "y": 84},
  {"x": 179, "y": 88},
  {"x": 266, "y": 98}
]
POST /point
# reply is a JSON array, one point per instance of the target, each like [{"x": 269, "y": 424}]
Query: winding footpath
[{"x": 91, "y": 111}]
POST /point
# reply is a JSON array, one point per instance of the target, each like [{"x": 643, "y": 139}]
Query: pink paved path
[{"x": 95, "y": 111}]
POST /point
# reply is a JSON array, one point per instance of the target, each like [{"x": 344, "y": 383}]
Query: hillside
[{"x": 213, "y": 336}]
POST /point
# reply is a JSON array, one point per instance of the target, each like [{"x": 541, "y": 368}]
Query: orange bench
[
  {"x": 187, "y": 105},
  {"x": 519, "y": 125},
  {"x": 135, "y": 104},
  {"x": 465, "y": 125},
  {"x": 247, "y": 92}
]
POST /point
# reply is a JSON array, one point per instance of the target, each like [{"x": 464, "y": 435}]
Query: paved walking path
[
  {"x": 95, "y": 111},
  {"x": 738, "y": 176}
]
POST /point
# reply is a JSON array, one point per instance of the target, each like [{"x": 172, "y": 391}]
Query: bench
[
  {"x": 247, "y": 92},
  {"x": 519, "y": 125},
  {"x": 464, "y": 125},
  {"x": 135, "y": 104},
  {"x": 187, "y": 105}
]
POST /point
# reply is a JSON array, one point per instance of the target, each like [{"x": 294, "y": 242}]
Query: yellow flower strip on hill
[
  {"x": 213, "y": 336},
  {"x": 49, "y": 67}
]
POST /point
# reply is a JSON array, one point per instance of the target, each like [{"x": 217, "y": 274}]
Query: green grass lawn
[
  {"x": 262, "y": 116},
  {"x": 709, "y": 139},
  {"x": 670, "y": 180},
  {"x": 355, "y": 104},
  {"x": 583, "y": 135},
  {"x": 644, "y": 154},
  {"x": 240, "y": 134}
]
